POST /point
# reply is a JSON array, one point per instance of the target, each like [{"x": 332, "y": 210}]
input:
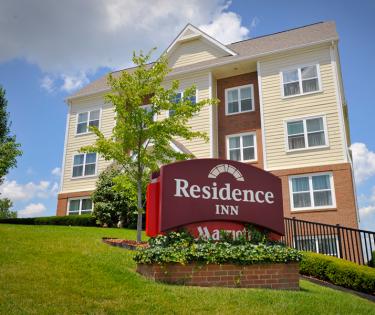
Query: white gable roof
[{"x": 190, "y": 32}]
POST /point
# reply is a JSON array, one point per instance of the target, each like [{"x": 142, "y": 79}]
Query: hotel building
[{"x": 282, "y": 108}]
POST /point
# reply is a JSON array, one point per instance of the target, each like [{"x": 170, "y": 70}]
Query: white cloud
[
  {"x": 23, "y": 192},
  {"x": 56, "y": 171},
  {"x": 364, "y": 211},
  {"x": 32, "y": 210},
  {"x": 364, "y": 162},
  {"x": 226, "y": 28},
  {"x": 69, "y": 39},
  {"x": 73, "y": 82},
  {"x": 47, "y": 83}
]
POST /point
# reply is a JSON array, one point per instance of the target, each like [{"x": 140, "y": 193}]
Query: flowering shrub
[{"x": 180, "y": 247}]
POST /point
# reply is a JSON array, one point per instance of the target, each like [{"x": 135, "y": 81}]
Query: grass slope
[{"x": 68, "y": 270}]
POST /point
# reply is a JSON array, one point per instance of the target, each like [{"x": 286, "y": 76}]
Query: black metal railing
[{"x": 335, "y": 240}]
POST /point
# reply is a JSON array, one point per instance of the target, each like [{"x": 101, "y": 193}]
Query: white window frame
[
  {"x": 88, "y": 121},
  {"x": 298, "y": 68},
  {"x": 253, "y": 133},
  {"x": 311, "y": 191},
  {"x": 316, "y": 239},
  {"x": 155, "y": 117},
  {"x": 251, "y": 86},
  {"x": 80, "y": 205},
  {"x": 182, "y": 95},
  {"x": 305, "y": 133},
  {"x": 84, "y": 163}
]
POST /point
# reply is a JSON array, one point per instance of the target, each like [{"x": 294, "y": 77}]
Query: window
[
  {"x": 148, "y": 109},
  {"x": 86, "y": 120},
  {"x": 307, "y": 133},
  {"x": 312, "y": 191},
  {"x": 241, "y": 147},
  {"x": 84, "y": 164},
  {"x": 323, "y": 244},
  {"x": 239, "y": 99},
  {"x": 79, "y": 206},
  {"x": 177, "y": 98},
  {"x": 300, "y": 81}
]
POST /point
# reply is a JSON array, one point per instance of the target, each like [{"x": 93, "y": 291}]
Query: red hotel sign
[{"x": 210, "y": 195}]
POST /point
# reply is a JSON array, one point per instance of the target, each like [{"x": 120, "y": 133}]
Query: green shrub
[
  {"x": 181, "y": 247},
  {"x": 74, "y": 220},
  {"x": 338, "y": 271},
  {"x": 114, "y": 201},
  {"x": 371, "y": 263}
]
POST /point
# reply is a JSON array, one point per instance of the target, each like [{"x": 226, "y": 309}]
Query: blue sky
[{"x": 48, "y": 50}]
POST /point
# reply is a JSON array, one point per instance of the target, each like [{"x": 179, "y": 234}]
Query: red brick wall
[
  {"x": 345, "y": 211},
  {"x": 273, "y": 276},
  {"x": 62, "y": 200},
  {"x": 238, "y": 123}
]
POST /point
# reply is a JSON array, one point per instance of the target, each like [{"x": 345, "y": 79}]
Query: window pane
[
  {"x": 300, "y": 184},
  {"x": 301, "y": 200},
  {"x": 291, "y": 89},
  {"x": 296, "y": 142},
  {"x": 90, "y": 158},
  {"x": 232, "y": 96},
  {"x": 307, "y": 244},
  {"x": 248, "y": 154},
  {"x": 77, "y": 171},
  {"x": 290, "y": 76},
  {"x": 177, "y": 98},
  {"x": 248, "y": 141},
  {"x": 322, "y": 198},
  {"x": 295, "y": 127},
  {"x": 86, "y": 204},
  {"x": 316, "y": 139},
  {"x": 309, "y": 72},
  {"x": 315, "y": 124},
  {"x": 233, "y": 107},
  {"x": 82, "y": 127},
  {"x": 310, "y": 85},
  {"x": 89, "y": 169},
  {"x": 234, "y": 142},
  {"x": 321, "y": 182},
  {"x": 94, "y": 123},
  {"x": 82, "y": 117},
  {"x": 235, "y": 155},
  {"x": 78, "y": 159},
  {"x": 327, "y": 245},
  {"x": 74, "y": 205},
  {"x": 193, "y": 99},
  {"x": 94, "y": 115},
  {"x": 245, "y": 93},
  {"x": 246, "y": 105}
]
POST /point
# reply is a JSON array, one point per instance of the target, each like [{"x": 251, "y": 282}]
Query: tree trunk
[{"x": 140, "y": 210}]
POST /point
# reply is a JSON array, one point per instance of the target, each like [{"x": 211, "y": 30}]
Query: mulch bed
[{"x": 128, "y": 244}]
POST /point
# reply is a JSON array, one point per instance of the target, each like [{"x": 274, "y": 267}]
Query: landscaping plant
[{"x": 139, "y": 143}]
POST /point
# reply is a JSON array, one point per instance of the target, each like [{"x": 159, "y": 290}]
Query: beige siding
[
  {"x": 75, "y": 142},
  {"x": 193, "y": 51},
  {"x": 215, "y": 120},
  {"x": 277, "y": 110},
  {"x": 200, "y": 122}
]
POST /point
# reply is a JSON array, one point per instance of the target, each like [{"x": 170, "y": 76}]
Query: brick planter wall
[{"x": 272, "y": 276}]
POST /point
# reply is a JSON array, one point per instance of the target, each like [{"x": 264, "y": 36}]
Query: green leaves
[{"x": 181, "y": 247}]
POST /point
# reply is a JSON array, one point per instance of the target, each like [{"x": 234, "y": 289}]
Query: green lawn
[{"x": 68, "y": 270}]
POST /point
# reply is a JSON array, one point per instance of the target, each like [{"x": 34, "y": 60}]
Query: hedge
[
  {"x": 338, "y": 271},
  {"x": 181, "y": 247},
  {"x": 74, "y": 220}
]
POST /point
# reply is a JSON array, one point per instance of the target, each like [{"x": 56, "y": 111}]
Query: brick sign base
[{"x": 272, "y": 276}]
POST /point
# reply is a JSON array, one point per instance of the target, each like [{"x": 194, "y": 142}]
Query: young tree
[
  {"x": 9, "y": 151},
  {"x": 139, "y": 143}
]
